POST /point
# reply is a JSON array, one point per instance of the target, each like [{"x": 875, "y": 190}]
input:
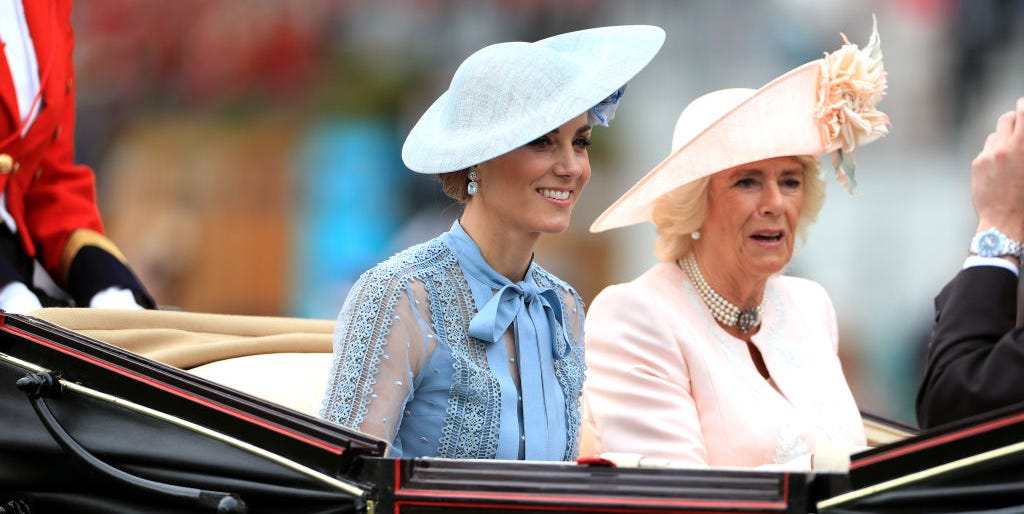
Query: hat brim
[
  {"x": 609, "y": 57},
  {"x": 738, "y": 137}
]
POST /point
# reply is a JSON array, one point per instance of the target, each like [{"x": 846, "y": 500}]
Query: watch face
[{"x": 989, "y": 245}]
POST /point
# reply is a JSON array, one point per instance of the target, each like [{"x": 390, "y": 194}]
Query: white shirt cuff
[{"x": 975, "y": 260}]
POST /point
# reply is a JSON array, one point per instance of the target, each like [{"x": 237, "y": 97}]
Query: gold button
[
  {"x": 6, "y": 163},
  {"x": 56, "y": 133}
]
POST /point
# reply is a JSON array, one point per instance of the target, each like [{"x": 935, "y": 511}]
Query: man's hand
[{"x": 997, "y": 176}]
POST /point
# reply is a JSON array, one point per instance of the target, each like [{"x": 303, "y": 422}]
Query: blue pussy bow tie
[
  {"x": 536, "y": 315},
  {"x": 507, "y": 306}
]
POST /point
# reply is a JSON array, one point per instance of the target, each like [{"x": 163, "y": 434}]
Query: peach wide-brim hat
[
  {"x": 505, "y": 95},
  {"x": 826, "y": 105}
]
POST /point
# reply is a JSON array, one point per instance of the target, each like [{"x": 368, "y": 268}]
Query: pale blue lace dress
[{"x": 430, "y": 346}]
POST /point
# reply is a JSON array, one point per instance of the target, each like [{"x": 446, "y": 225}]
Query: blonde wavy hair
[{"x": 682, "y": 211}]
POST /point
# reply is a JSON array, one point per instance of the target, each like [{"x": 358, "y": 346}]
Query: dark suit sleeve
[{"x": 975, "y": 357}]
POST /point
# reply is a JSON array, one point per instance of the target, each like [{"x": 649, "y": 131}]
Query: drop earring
[{"x": 472, "y": 187}]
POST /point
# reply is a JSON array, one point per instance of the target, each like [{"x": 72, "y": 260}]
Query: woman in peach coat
[{"x": 712, "y": 356}]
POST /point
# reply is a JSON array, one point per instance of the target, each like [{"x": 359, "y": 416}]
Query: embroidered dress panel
[{"x": 409, "y": 368}]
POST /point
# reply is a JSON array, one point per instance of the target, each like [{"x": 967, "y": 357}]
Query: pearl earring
[
  {"x": 472, "y": 187},
  {"x": 695, "y": 235}
]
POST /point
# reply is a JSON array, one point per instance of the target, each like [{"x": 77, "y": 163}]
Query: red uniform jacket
[{"x": 52, "y": 199}]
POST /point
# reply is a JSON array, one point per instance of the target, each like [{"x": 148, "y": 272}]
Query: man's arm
[{"x": 975, "y": 357}]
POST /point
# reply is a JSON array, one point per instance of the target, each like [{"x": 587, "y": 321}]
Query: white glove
[
  {"x": 17, "y": 298},
  {"x": 114, "y": 298}
]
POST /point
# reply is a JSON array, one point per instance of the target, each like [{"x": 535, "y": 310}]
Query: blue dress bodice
[{"x": 421, "y": 360}]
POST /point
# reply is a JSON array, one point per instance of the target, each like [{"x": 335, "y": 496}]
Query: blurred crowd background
[{"x": 248, "y": 151}]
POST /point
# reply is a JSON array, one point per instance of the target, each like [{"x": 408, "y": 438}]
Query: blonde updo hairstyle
[{"x": 682, "y": 211}]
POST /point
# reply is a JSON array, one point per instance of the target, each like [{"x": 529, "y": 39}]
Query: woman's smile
[{"x": 559, "y": 196}]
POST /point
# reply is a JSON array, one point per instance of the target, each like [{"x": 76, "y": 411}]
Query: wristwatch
[{"x": 993, "y": 243}]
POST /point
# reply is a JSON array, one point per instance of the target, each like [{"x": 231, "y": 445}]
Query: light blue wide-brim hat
[{"x": 508, "y": 94}]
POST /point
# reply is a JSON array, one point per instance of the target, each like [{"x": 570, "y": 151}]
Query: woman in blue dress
[{"x": 463, "y": 347}]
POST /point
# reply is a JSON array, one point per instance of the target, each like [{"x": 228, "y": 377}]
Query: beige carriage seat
[
  {"x": 881, "y": 431},
  {"x": 283, "y": 360}
]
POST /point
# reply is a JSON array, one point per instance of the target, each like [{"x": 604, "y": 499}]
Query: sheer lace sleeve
[
  {"x": 576, "y": 369},
  {"x": 380, "y": 343},
  {"x": 573, "y": 318}
]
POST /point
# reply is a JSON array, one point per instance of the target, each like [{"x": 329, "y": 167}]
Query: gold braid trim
[{"x": 81, "y": 238}]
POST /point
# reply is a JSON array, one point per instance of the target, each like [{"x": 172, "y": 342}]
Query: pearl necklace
[{"x": 724, "y": 312}]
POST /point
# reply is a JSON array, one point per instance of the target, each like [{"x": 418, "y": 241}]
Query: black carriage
[{"x": 93, "y": 427}]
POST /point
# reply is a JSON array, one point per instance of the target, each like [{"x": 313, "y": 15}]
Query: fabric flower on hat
[
  {"x": 852, "y": 82},
  {"x": 604, "y": 112}
]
